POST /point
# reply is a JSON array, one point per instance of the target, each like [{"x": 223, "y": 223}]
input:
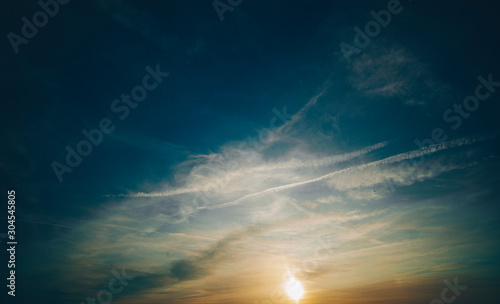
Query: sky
[{"x": 207, "y": 151}]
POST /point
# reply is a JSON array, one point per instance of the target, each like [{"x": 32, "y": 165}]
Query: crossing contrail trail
[{"x": 392, "y": 159}]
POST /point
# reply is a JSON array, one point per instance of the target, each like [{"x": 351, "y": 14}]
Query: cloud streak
[{"x": 389, "y": 160}]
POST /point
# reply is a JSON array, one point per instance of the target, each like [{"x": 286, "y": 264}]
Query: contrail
[
  {"x": 388, "y": 160},
  {"x": 294, "y": 164},
  {"x": 162, "y": 193},
  {"x": 296, "y": 117},
  {"x": 325, "y": 161}
]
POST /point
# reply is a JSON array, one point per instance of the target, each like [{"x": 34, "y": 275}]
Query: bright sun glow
[{"x": 294, "y": 288}]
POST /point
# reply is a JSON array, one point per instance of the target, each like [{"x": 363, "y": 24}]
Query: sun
[{"x": 294, "y": 288}]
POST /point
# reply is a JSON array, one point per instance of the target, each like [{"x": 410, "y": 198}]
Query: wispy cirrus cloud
[
  {"x": 280, "y": 212},
  {"x": 395, "y": 72}
]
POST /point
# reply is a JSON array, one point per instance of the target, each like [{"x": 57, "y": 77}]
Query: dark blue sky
[{"x": 196, "y": 135}]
